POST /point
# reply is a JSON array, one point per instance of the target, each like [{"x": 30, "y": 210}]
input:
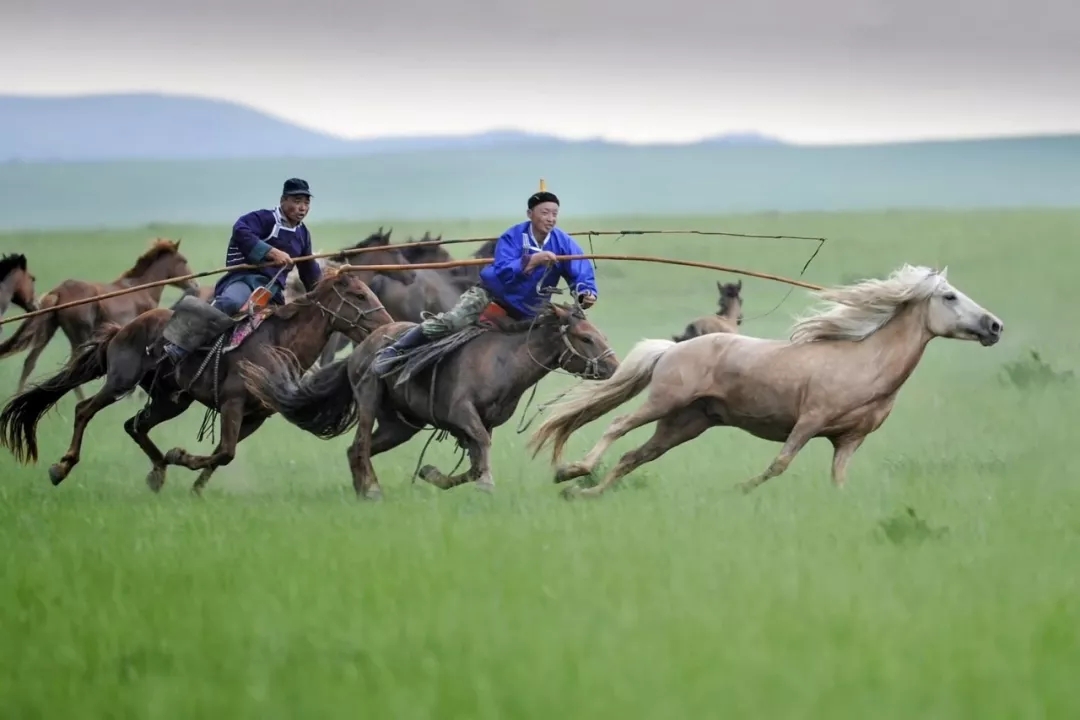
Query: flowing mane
[
  {"x": 11, "y": 263},
  {"x": 158, "y": 249},
  {"x": 854, "y": 312}
]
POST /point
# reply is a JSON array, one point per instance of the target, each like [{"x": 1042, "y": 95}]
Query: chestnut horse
[
  {"x": 466, "y": 384},
  {"x": 836, "y": 378},
  {"x": 16, "y": 284},
  {"x": 161, "y": 262},
  {"x": 132, "y": 356},
  {"x": 727, "y": 319}
]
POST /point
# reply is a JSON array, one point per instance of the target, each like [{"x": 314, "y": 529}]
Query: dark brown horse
[
  {"x": 132, "y": 356},
  {"x": 16, "y": 284},
  {"x": 375, "y": 279},
  {"x": 161, "y": 262},
  {"x": 727, "y": 319},
  {"x": 466, "y": 384},
  {"x": 462, "y": 278}
]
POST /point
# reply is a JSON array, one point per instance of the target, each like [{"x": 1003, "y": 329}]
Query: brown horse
[
  {"x": 132, "y": 356},
  {"x": 836, "y": 378},
  {"x": 161, "y": 262},
  {"x": 462, "y": 278},
  {"x": 16, "y": 284},
  {"x": 466, "y": 384},
  {"x": 727, "y": 319}
]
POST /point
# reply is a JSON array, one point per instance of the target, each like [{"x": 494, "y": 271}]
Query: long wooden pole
[{"x": 412, "y": 266}]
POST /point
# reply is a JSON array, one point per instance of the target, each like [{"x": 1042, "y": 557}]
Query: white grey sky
[{"x": 807, "y": 70}]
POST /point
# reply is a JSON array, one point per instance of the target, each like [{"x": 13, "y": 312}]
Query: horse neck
[
  {"x": 7, "y": 291},
  {"x": 730, "y": 311},
  {"x": 534, "y": 355},
  {"x": 896, "y": 348},
  {"x": 303, "y": 334},
  {"x": 155, "y": 273}
]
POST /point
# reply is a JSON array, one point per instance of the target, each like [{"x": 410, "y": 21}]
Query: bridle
[
  {"x": 343, "y": 301},
  {"x": 592, "y": 364}
]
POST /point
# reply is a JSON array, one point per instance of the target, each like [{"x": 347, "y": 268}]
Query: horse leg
[
  {"x": 652, "y": 409},
  {"x": 248, "y": 425},
  {"x": 40, "y": 343},
  {"x": 672, "y": 430},
  {"x": 232, "y": 413},
  {"x": 368, "y": 394},
  {"x": 844, "y": 447},
  {"x": 478, "y": 441},
  {"x": 804, "y": 430},
  {"x": 162, "y": 408},
  {"x": 116, "y": 386}
]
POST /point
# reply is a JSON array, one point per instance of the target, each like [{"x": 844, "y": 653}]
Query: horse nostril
[{"x": 995, "y": 327}]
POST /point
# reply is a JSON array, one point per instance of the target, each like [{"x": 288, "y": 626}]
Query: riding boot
[{"x": 412, "y": 339}]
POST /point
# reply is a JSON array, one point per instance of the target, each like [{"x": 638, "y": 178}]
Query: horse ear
[
  {"x": 719, "y": 286},
  {"x": 177, "y": 246},
  {"x": 738, "y": 285},
  {"x": 561, "y": 312}
]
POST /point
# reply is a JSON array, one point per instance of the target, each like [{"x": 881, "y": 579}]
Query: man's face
[
  {"x": 545, "y": 215},
  {"x": 295, "y": 207}
]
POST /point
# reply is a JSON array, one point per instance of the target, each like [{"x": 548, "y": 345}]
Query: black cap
[
  {"x": 296, "y": 186},
  {"x": 542, "y": 197}
]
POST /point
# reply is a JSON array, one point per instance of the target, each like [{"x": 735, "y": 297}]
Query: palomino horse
[
  {"x": 161, "y": 262},
  {"x": 837, "y": 378},
  {"x": 466, "y": 384},
  {"x": 16, "y": 284},
  {"x": 727, "y": 319},
  {"x": 131, "y": 356}
]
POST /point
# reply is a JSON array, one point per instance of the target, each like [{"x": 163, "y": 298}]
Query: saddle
[{"x": 197, "y": 326}]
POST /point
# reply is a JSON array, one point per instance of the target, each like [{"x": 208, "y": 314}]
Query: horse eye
[{"x": 950, "y": 296}]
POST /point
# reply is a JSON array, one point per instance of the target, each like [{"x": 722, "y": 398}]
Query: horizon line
[{"x": 766, "y": 138}]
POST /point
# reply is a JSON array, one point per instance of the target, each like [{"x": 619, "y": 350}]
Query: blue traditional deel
[{"x": 504, "y": 277}]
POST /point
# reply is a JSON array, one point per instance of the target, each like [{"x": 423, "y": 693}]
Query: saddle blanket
[{"x": 243, "y": 331}]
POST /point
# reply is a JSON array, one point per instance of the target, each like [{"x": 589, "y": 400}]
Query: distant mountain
[{"x": 168, "y": 127}]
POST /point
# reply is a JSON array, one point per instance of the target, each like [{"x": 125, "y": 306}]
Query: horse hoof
[
  {"x": 565, "y": 473},
  {"x": 156, "y": 479},
  {"x": 487, "y": 487},
  {"x": 427, "y": 472},
  {"x": 173, "y": 456},
  {"x": 57, "y": 474},
  {"x": 374, "y": 494},
  {"x": 570, "y": 493}
]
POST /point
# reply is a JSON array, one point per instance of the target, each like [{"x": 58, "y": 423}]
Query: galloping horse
[
  {"x": 462, "y": 278},
  {"x": 727, "y": 319},
  {"x": 836, "y": 378},
  {"x": 161, "y": 262},
  {"x": 374, "y": 279},
  {"x": 467, "y": 384},
  {"x": 132, "y": 356},
  {"x": 16, "y": 284}
]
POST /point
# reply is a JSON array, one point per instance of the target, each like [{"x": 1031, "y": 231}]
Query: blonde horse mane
[{"x": 854, "y": 312}]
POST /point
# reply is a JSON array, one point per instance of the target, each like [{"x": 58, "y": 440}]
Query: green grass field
[{"x": 281, "y": 595}]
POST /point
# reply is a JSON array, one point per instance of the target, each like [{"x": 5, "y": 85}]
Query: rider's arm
[
  {"x": 509, "y": 263},
  {"x": 578, "y": 274},
  {"x": 310, "y": 272},
  {"x": 247, "y": 235}
]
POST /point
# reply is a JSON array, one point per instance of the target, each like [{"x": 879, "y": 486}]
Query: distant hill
[
  {"x": 592, "y": 180},
  {"x": 168, "y": 127}
]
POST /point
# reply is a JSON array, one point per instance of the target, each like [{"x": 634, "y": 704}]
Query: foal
[{"x": 727, "y": 319}]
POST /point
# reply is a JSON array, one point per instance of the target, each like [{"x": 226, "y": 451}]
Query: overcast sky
[{"x": 806, "y": 70}]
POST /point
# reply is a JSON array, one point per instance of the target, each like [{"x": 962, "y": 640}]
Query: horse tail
[
  {"x": 19, "y": 419},
  {"x": 586, "y": 402},
  {"x": 38, "y": 330},
  {"x": 321, "y": 402}
]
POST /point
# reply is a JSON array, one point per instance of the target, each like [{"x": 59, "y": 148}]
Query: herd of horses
[{"x": 836, "y": 377}]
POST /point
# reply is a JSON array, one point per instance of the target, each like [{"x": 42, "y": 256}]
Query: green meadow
[{"x": 941, "y": 582}]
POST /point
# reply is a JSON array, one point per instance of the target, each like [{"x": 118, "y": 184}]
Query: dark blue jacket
[
  {"x": 252, "y": 238},
  {"x": 506, "y": 280}
]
